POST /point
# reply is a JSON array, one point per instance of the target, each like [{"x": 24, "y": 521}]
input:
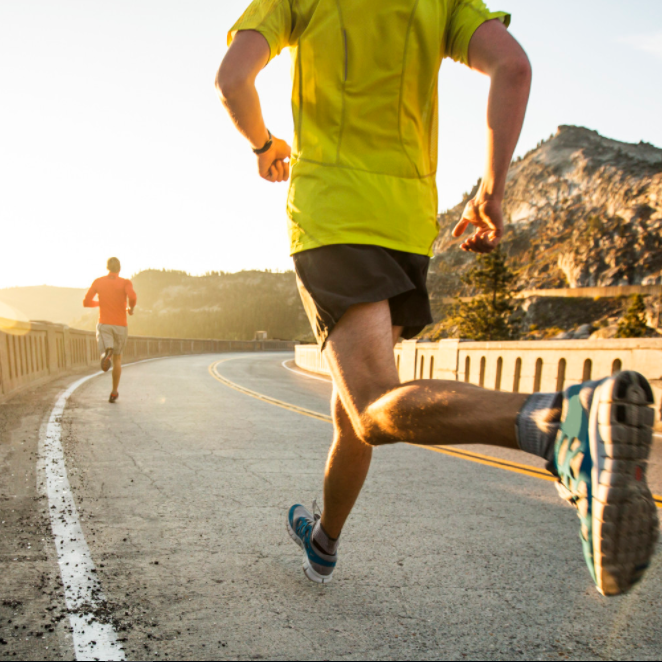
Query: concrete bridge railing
[
  {"x": 518, "y": 366},
  {"x": 33, "y": 352},
  {"x": 581, "y": 293},
  {"x": 594, "y": 292}
]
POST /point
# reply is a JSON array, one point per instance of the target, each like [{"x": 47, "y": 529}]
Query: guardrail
[
  {"x": 593, "y": 292},
  {"x": 579, "y": 293},
  {"x": 33, "y": 352},
  {"x": 518, "y": 366}
]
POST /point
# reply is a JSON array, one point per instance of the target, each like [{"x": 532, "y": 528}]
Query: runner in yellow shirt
[{"x": 362, "y": 210}]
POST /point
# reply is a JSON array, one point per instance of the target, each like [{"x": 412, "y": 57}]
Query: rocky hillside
[{"x": 581, "y": 210}]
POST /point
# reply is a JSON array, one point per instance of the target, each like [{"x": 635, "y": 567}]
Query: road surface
[{"x": 182, "y": 489}]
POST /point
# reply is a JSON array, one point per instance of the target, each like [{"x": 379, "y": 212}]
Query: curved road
[{"x": 183, "y": 487}]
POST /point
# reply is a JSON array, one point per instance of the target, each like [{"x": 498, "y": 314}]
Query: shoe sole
[
  {"x": 308, "y": 570},
  {"x": 105, "y": 361},
  {"x": 624, "y": 515}
]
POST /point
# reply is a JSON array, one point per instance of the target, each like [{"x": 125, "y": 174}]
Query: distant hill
[
  {"x": 53, "y": 304},
  {"x": 218, "y": 305},
  {"x": 178, "y": 305}
]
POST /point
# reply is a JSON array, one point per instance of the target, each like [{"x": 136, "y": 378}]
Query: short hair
[{"x": 113, "y": 265}]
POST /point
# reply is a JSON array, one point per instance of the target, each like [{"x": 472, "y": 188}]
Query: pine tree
[
  {"x": 492, "y": 314},
  {"x": 633, "y": 323}
]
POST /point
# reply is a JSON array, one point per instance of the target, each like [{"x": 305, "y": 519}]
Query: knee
[
  {"x": 388, "y": 420},
  {"x": 362, "y": 426},
  {"x": 372, "y": 430}
]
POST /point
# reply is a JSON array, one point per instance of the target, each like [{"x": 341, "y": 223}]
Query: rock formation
[{"x": 581, "y": 210}]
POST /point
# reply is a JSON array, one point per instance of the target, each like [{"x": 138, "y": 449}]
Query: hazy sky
[{"x": 112, "y": 140}]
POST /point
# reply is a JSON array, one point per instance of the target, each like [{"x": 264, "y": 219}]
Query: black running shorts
[{"x": 333, "y": 278}]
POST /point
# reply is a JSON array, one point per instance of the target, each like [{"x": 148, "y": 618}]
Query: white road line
[
  {"x": 93, "y": 638},
  {"x": 305, "y": 374}
]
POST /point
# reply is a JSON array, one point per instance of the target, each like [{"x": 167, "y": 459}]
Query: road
[{"x": 182, "y": 490}]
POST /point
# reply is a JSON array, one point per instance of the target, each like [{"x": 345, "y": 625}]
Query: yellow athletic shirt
[{"x": 364, "y": 100}]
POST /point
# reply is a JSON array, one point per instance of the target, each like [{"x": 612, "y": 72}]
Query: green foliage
[
  {"x": 633, "y": 323},
  {"x": 492, "y": 315}
]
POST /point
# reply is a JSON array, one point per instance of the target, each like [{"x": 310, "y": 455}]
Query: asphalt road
[{"x": 182, "y": 490}]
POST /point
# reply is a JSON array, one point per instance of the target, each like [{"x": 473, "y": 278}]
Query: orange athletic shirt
[{"x": 113, "y": 293}]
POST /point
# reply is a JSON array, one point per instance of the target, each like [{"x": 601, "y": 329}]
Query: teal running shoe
[
  {"x": 601, "y": 454},
  {"x": 317, "y": 565}
]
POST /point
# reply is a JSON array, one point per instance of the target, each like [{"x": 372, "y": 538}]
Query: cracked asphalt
[{"x": 182, "y": 489}]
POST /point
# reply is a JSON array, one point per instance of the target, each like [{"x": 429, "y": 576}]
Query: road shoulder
[{"x": 33, "y": 615}]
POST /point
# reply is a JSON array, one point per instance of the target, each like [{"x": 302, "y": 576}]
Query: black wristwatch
[{"x": 266, "y": 147}]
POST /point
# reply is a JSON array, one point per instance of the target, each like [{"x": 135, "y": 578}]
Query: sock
[
  {"x": 322, "y": 540},
  {"x": 537, "y": 425}
]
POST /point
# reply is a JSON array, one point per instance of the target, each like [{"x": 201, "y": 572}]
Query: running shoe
[
  {"x": 113, "y": 397},
  {"x": 105, "y": 359},
  {"x": 601, "y": 453},
  {"x": 317, "y": 565}
]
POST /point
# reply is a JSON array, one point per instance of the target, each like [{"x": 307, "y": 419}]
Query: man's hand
[
  {"x": 235, "y": 82},
  {"x": 272, "y": 165},
  {"x": 492, "y": 51},
  {"x": 130, "y": 311},
  {"x": 486, "y": 216}
]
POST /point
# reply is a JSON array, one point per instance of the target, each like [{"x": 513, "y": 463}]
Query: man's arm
[
  {"x": 493, "y": 51},
  {"x": 88, "y": 301},
  {"x": 131, "y": 296},
  {"x": 235, "y": 83}
]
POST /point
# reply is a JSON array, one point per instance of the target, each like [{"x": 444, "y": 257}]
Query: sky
[{"x": 113, "y": 142}]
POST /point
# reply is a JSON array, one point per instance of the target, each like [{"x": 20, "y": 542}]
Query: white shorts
[{"x": 112, "y": 336}]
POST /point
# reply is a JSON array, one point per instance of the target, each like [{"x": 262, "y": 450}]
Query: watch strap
[{"x": 266, "y": 147}]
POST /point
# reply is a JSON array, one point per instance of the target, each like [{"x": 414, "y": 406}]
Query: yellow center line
[
  {"x": 471, "y": 456},
  {"x": 265, "y": 398},
  {"x": 490, "y": 461}
]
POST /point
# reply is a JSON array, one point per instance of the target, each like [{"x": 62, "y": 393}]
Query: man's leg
[
  {"x": 105, "y": 344},
  {"x": 346, "y": 470},
  {"x": 117, "y": 371},
  {"x": 599, "y": 446},
  {"x": 359, "y": 352},
  {"x": 346, "y": 467},
  {"x": 381, "y": 410}
]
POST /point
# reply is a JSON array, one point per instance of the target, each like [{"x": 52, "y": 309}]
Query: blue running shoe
[
  {"x": 601, "y": 454},
  {"x": 317, "y": 565}
]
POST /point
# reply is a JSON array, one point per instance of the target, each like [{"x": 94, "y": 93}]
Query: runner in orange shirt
[{"x": 112, "y": 330}]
